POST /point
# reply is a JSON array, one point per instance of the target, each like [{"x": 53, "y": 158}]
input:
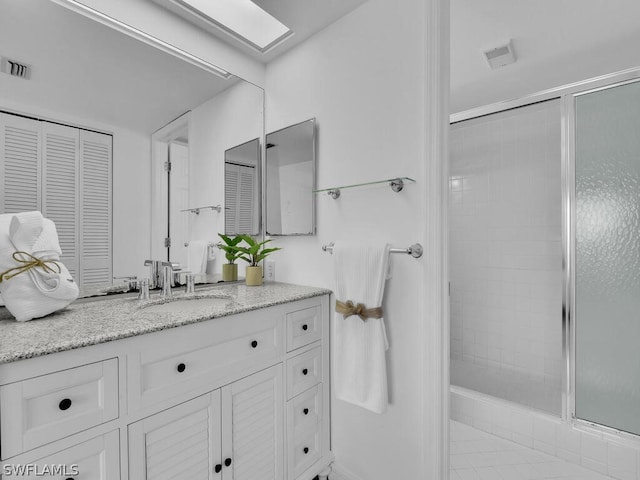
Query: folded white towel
[
  {"x": 359, "y": 364},
  {"x": 197, "y": 256},
  {"x": 35, "y": 292}
]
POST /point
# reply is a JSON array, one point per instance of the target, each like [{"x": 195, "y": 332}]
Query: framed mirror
[
  {"x": 93, "y": 79},
  {"x": 242, "y": 189},
  {"x": 290, "y": 180}
]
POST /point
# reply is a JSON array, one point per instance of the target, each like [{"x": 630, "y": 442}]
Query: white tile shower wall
[
  {"x": 605, "y": 453},
  {"x": 505, "y": 242}
]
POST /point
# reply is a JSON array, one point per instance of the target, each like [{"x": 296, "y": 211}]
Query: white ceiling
[
  {"x": 556, "y": 42},
  {"x": 303, "y": 17},
  {"x": 86, "y": 70}
]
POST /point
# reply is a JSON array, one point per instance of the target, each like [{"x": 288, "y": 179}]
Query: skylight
[{"x": 242, "y": 18}]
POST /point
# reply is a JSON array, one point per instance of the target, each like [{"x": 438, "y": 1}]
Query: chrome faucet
[
  {"x": 131, "y": 282},
  {"x": 155, "y": 275},
  {"x": 166, "y": 280}
]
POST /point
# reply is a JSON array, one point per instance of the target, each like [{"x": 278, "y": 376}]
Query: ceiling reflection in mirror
[{"x": 88, "y": 75}]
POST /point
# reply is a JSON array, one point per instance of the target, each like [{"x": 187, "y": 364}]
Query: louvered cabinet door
[
  {"x": 60, "y": 195},
  {"x": 181, "y": 443},
  {"x": 252, "y": 422},
  {"x": 20, "y": 151},
  {"x": 95, "y": 208}
]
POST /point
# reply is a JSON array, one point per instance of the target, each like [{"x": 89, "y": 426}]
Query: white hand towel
[
  {"x": 35, "y": 292},
  {"x": 197, "y": 256},
  {"x": 359, "y": 363}
]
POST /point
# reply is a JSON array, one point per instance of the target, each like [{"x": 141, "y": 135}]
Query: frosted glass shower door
[{"x": 607, "y": 229}]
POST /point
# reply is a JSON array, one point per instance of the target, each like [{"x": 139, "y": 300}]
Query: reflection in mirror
[
  {"x": 95, "y": 79},
  {"x": 290, "y": 172},
  {"x": 241, "y": 188}
]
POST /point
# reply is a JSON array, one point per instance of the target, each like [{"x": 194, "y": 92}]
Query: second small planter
[{"x": 253, "y": 276}]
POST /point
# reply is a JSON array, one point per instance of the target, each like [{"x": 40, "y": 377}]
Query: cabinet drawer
[
  {"x": 95, "y": 459},
  {"x": 172, "y": 368},
  {"x": 46, "y": 408},
  {"x": 303, "y": 327},
  {"x": 304, "y": 371},
  {"x": 304, "y": 451},
  {"x": 305, "y": 410}
]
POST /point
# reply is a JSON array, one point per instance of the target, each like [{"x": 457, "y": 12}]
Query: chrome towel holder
[{"x": 414, "y": 250}]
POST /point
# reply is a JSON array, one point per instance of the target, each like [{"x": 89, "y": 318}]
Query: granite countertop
[{"x": 91, "y": 322}]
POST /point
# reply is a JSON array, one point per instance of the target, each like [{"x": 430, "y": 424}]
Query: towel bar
[{"x": 414, "y": 250}]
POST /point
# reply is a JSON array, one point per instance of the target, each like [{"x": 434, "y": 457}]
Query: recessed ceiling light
[{"x": 243, "y": 19}]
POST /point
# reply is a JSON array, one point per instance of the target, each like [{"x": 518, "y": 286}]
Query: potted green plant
[
  {"x": 230, "y": 269},
  {"x": 253, "y": 254}
]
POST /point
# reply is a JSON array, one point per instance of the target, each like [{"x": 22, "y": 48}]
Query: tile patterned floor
[{"x": 476, "y": 455}]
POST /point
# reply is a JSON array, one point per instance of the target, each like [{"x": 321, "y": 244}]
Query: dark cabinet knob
[
  {"x": 254, "y": 344},
  {"x": 218, "y": 468},
  {"x": 305, "y": 371},
  {"x": 181, "y": 367},
  {"x": 64, "y": 404},
  {"x": 305, "y": 327},
  {"x": 70, "y": 478},
  {"x": 305, "y": 450},
  {"x": 305, "y": 411},
  {"x": 227, "y": 462}
]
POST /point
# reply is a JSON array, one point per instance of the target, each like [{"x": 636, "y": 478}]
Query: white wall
[
  {"x": 363, "y": 78},
  {"x": 229, "y": 119}
]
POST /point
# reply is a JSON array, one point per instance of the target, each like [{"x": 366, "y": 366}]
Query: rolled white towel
[{"x": 37, "y": 291}]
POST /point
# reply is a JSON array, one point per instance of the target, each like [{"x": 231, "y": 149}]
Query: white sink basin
[{"x": 188, "y": 305}]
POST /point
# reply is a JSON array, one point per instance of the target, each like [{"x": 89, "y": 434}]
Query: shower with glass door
[
  {"x": 603, "y": 290},
  {"x": 545, "y": 260}
]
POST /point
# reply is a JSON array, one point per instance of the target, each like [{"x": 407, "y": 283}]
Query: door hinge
[
  {"x": 167, "y": 242},
  {"x": 167, "y": 166}
]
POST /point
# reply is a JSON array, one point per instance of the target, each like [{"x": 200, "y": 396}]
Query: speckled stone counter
[{"x": 91, "y": 322}]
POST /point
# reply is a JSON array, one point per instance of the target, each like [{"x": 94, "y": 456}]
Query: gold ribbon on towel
[
  {"x": 348, "y": 308},
  {"x": 27, "y": 262}
]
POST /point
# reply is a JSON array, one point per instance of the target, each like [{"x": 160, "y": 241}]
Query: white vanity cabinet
[
  {"x": 239, "y": 397},
  {"x": 235, "y": 432}
]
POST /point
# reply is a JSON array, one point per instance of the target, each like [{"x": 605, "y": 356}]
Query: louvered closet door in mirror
[
  {"x": 95, "y": 208},
  {"x": 20, "y": 154},
  {"x": 60, "y": 201},
  {"x": 239, "y": 208},
  {"x": 252, "y": 427}
]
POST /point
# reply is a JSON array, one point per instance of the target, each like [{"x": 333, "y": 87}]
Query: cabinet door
[
  {"x": 95, "y": 459},
  {"x": 252, "y": 422},
  {"x": 181, "y": 443},
  {"x": 19, "y": 164}
]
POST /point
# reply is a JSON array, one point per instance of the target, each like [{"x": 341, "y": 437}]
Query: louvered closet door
[
  {"x": 252, "y": 427},
  {"x": 95, "y": 208},
  {"x": 60, "y": 202},
  {"x": 240, "y": 187},
  {"x": 20, "y": 146},
  {"x": 181, "y": 443}
]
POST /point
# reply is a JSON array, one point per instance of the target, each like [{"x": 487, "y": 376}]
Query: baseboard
[{"x": 338, "y": 472}]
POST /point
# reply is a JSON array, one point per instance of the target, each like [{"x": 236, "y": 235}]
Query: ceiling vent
[
  {"x": 500, "y": 56},
  {"x": 15, "y": 68}
]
